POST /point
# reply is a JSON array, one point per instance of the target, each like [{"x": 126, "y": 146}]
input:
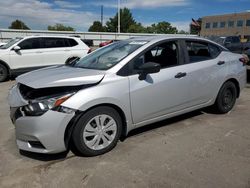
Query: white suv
[{"x": 20, "y": 55}]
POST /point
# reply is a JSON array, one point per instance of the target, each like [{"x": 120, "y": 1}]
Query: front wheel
[
  {"x": 97, "y": 131},
  {"x": 3, "y": 73},
  {"x": 226, "y": 98}
]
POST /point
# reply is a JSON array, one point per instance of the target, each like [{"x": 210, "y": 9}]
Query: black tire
[
  {"x": 226, "y": 98},
  {"x": 3, "y": 73},
  {"x": 78, "y": 138}
]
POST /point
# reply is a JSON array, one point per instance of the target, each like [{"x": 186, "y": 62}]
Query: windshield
[
  {"x": 219, "y": 40},
  {"x": 107, "y": 57},
  {"x": 10, "y": 43}
]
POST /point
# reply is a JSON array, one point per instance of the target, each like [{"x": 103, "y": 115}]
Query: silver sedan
[{"x": 90, "y": 103}]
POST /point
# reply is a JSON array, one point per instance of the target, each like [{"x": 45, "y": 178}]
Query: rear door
[
  {"x": 55, "y": 50},
  {"x": 206, "y": 70},
  {"x": 163, "y": 92}
]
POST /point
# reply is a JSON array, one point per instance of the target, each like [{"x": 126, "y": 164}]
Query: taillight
[
  {"x": 244, "y": 60},
  {"x": 90, "y": 50}
]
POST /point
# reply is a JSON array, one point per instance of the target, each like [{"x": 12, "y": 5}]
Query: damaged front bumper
[{"x": 41, "y": 134}]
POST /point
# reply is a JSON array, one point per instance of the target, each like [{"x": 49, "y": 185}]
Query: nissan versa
[{"x": 92, "y": 102}]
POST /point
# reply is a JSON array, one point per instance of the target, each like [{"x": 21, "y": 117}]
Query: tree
[
  {"x": 183, "y": 32},
  {"x": 18, "y": 24},
  {"x": 60, "y": 27},
  {"x": 97, "y": 27},
  {"x": 162, "y": 28},
  {"x": 136, "y": 28},
  {"x": 126, "y": 21}
]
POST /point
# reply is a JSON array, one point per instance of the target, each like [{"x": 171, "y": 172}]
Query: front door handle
[
  {"x": 221, "y": 63},
  {"x": 180, "y": 75}
]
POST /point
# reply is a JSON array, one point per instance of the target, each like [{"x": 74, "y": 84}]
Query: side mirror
[
  {"x": 148, "y": 68},
  {"x": 16, "y": 48}
]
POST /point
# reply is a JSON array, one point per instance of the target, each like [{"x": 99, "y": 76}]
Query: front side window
[
  {"x": 201, "y": 51},
  {"x": 240, "y": 23},
  {"x": 28, "y": 44},
  {"x": 165, "y": 54},
  {"x": 107, "y": 57}
]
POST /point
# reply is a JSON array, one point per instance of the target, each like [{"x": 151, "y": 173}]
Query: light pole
[{"x": 119, "y": 16}]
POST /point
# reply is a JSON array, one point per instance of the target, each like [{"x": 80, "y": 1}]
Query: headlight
[{"x": 40, "y": 106}]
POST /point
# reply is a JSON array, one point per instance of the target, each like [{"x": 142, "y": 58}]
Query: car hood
[{"x": 60, "y": 76}]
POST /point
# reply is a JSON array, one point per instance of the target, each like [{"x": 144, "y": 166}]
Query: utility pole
[
  {"x": 119, "y": 16},
  {"x": 102, "y": 15}
]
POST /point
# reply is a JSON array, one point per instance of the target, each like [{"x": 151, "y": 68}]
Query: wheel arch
[
  {"x": 6, "y": 65},
  {"x": 70, "y": 127},
  {"x": 236, "y": 82}
]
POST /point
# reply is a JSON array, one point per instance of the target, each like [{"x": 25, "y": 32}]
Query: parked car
[
  {"x": 24, "y": 54},
  {"x": 107, "y": 43},
  {"x": 120, "y": 87},
  {"x": 234, "y": 44},
  {"x": 2, "y": 43}
]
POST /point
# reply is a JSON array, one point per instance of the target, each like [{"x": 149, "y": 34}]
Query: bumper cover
[{"x": 48, "y": 129}]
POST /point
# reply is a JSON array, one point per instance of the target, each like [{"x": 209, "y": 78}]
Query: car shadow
[
  {"x": 248, "y": 75},
  {"x": 44, "y": 157},
  {"x": 138, "y": 131},
  {"x": 163, "y": 123}
]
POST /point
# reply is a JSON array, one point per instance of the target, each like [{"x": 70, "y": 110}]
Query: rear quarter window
[{"x": 72, "y": 42}]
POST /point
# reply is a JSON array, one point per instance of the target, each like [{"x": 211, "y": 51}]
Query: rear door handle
[
  {"x": 39, "y": 52},
  {"x": 180, "y": 75},
  {"x": 221, "y": 63}
]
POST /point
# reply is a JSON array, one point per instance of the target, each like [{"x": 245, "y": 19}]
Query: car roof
[
  {"x": 166, "y": 37},
  {"x": 49, "y": 36}
]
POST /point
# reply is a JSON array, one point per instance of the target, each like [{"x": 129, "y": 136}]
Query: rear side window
[
  {"x": 235, "y": 40},
  {"x": 201, "y": 51},
  {"x": 72, "y": 42},
  {"x": 28, "y": 44},
  {"x": 54, "y": 42}
]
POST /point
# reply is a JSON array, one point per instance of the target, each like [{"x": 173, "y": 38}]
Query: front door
[
  {"x": 30, "y": 55},
  {"x": 160, "y": 93}
]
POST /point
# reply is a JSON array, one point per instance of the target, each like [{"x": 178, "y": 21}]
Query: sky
[{"x": 80, "y": 14}]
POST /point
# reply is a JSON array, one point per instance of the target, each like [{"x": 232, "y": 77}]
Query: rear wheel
[
  {"x": 226, "y": 98},
  {"x": 97, "y": 131},
  {"x": 3, "y": 73}
]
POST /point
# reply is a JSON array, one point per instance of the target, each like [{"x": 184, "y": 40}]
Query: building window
[
  {"x": 248, "y": 23},
  {"x": 222, "y": 24},
  {"x": 240, "y": 23},
  {"x": 230, "y": 23},
  {"x": 215, "y": 24},
  {"x": 208, "y": 25}
]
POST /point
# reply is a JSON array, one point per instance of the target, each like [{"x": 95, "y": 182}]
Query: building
[{"x": 226, "y": 25}]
